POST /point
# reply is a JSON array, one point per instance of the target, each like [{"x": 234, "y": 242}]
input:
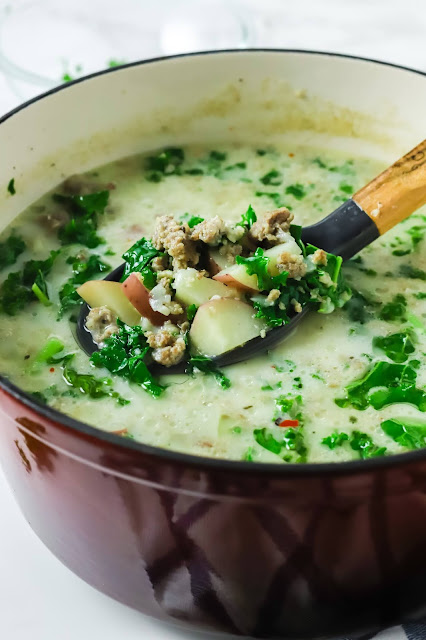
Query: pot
[{"x": 290, "y": 551}]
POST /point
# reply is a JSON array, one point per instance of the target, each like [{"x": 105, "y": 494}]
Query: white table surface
[{"x": 39, "y": 598}]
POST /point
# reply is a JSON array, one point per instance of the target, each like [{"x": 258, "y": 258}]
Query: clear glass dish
[{"x": 46, "y": 42}]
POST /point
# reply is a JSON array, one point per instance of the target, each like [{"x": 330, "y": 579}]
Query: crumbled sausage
[
  {"x": 168, "y": 345},
  {"x": 319, "y": 257},
  {"x": 229, "y": 251},
  {"x": 209, "y": 231},
  {"x": 102, "y": 323},
  {"x": 272, "y": 227},
  {"x": 54, "y": 221},
  {"x": 293, "y": 264},
  {"x": 273, "y": 295},
  {"x": 159, "y": 263},
  {"x": 175, "y": 238}
]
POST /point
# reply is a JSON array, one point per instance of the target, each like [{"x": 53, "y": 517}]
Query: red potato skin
[
  {"x": 136, "y": 292},
  {"x": 226, "y": 278}
]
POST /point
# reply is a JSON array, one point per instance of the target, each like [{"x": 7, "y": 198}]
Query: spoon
[{"x": 389, "y": 198}]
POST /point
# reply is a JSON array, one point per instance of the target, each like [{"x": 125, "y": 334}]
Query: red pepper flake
[
  {"x": 289, "y": 423},
  {"x": 120, "y": 432},
  {"x": 52, "y": 369},
  {"x": 291, "y": 155}
]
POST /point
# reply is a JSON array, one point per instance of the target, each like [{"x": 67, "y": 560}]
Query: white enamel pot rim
[{"x": 45, "y": 115}]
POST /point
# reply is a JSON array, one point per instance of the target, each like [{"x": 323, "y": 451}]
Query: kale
[
  {"x": 11, "y": 187},
  {"x": 39, "y": 289},
  {"x": 258, "y": 265},
  {"x": 408, "y": 271},
  {"x": 276, "y": 198},
  {"x": 191, "y": 311},
  {"x": 237, "y": 165},
  {"x": 397, "y": 346},
  {"x": 415, "y": 234},
  {"x": 84, "y": 269},
  {"x": 273, "y": 178},
  {"x": 335, "y": 439},
  {"x": 291, "y": 440},
  {"x": 139, "y": 256},
  {"x": 10, "y": 250},
  {"x": 359, "y": 307},
  {"x": 89, "y": 385},
  {"x": 217, "y": 156},
  {"x": 346, "y": 188},
  {"x": 420, "y": 296},
  {"x": 395, "y": 309},
  {"x": 16, "y": 292},
  {"x": 319, "y": 163},
  {"x": 124, "y": 354},
  {"x": 167, "y": 162},
  {"x": 248, "y": 218},
  {"x": 297, "y": 190},
  {"x": 111, "y": 64},
  {"x": 385, "y": 384},
  {"x": 291, "y": 406},
  {"x": 83, "y": 223},
  {"x": 326, "y": 283},
  {"x": 48, "y": 354},
  {"x": 405, "y": 432},
  {"x": 190, "y": 220},
  {"x": 365, "y": 446},
  {"x": 207, "y": 366}
]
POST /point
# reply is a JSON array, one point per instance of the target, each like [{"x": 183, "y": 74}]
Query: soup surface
[{"x": 346, "y": 385}]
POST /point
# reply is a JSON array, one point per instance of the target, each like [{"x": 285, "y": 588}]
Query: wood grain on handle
[{"x": 397, "y": 192}]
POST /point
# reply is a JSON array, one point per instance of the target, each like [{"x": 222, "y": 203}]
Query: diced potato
[
  {"x": 217, "y": 262},
  {"x": 98, "y": 293},
  {"x": 191, "y": 289},
  {"x": 236, "y": 275},
  {"x": 136, "y": 292},
  {"x": 223, "y": 324}
]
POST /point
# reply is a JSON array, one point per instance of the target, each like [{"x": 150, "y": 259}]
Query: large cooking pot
[{"x": 273, "y": 551}]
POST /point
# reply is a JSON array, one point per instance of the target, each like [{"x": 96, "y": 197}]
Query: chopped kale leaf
[
  {"x": 395, "y": 309},
  {"x": 139, "y": 256},
  {"x": 365, "y": 446},
  {"x": 397, "y": 346},
  {"x": 296, "y": 190},
  {"x": 167, "y": 162},
  {"x": 205, "y": 365},
  {"x": 408, "y": 271},
  {"x": 335, "y": 439},
  {"x": 89, "y": 385},
  {"x": 124, "y": 354},
  {"x": 84, "y": 269},
  {"x": 191, "y": 311},
  {"x": 248, "y": 218},
  {"x": 258, "y": 265},
  {"x": 276, "y": 198},
  {"x": 407, "y": 433},
  {"x": 11, "y": 187},
  {"x": 83, "y": 223},
  {"x": 273, "y": 178},
  {"x": 291, "y": 440},
  {"x": 384, "y": 384},
  {"x": 10, "y": 250}
]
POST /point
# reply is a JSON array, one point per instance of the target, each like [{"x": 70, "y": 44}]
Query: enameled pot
[{"x": 289, "y": 551}]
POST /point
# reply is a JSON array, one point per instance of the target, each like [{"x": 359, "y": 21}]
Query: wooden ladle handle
[{"x": 397, "y": 192}]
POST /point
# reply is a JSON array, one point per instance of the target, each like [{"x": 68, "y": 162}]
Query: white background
[{"x": 39, "y": 598}]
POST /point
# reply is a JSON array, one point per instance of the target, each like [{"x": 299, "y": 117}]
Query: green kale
[
  {"x": 258, "y": 265},
  {"x": 47, "y": 353},
  {"x": 397, "y": 346},
  {"x": 139, "y": 256},
  {"x": 276, "y": 198},
  {"x": 346, "y": 188},
  {"x": 407, "y": 433},
  {"x": 84, "y": 269},
  {"x": 290, "y": 440},
  {"x": 385, "y": 384},
  {"x": 326, "y": 283},
  {"x": 365, "y": 446},
  {"x": 124, "y": 354},
  {"x": 11, "y": 187},
  {"x": 167, "y": 162},
  {"x": 415, "y": 234},
  {"x": 10, "y": 250},
  {"x": 420, "y": 296},
  {"x": 408, "y": 271},
  {"x": 248, "y": 218},
  {"x": 83, "y": 223},
  {"x": 273, "y": 178},
  {"x": 394, "y": 310},
  {"x": 89, "y": 385},
  {"x": 297, "y": 190},
  {"x": 237, "y": 165},
  {"x": 359, "y": 307},
  {"x": 205, "y": 365},
  {"x": 335, "y": 439},
  {"x": 191, "y": 311},
  {"x": 291, "y": 406},
  {"x": 217, "y": 156},
  {"x": 39, "y": 289},
  {"x": 190, "y": 220},
  {"x": 16, "y": 292}
]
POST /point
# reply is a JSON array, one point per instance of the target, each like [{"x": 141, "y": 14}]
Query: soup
[{"x": 346, "y": 385}]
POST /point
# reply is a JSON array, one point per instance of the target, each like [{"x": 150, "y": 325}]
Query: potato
[
  {"x": 98, "y": 293},
  {"x": 223, "y": 324},
  {"x": 191, "y": 289},
  {"x": 136, "y": 292}
]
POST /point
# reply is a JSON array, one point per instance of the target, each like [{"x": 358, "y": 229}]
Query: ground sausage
[
  {"x": 271, "y": 227},
  {"x": 102, "y": 323},
  {"x": 209, "y": 231},
  {"x": 175, "y": 238},
  {"x": 293, "y": 264}
]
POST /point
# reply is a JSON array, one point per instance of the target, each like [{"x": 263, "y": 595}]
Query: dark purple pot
[{"x": 308, "y": 551}]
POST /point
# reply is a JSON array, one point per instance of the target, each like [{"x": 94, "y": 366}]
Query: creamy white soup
[{"x": 348, "y": 384}]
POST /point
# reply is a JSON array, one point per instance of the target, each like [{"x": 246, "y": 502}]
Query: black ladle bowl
[{"x": 373, "y": 210}]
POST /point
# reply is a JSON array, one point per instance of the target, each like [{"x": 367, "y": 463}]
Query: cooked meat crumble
[
  {"x": 102, "y": 323},
  {"x": 175, "y": 238},
  {"x": 168, "y": 345},
  {"x": 270, "y": 229},
  {"x": 293, "y": 264}
]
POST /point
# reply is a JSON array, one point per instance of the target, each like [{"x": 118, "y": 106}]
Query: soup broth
[{"x": 346, "y": 385}]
